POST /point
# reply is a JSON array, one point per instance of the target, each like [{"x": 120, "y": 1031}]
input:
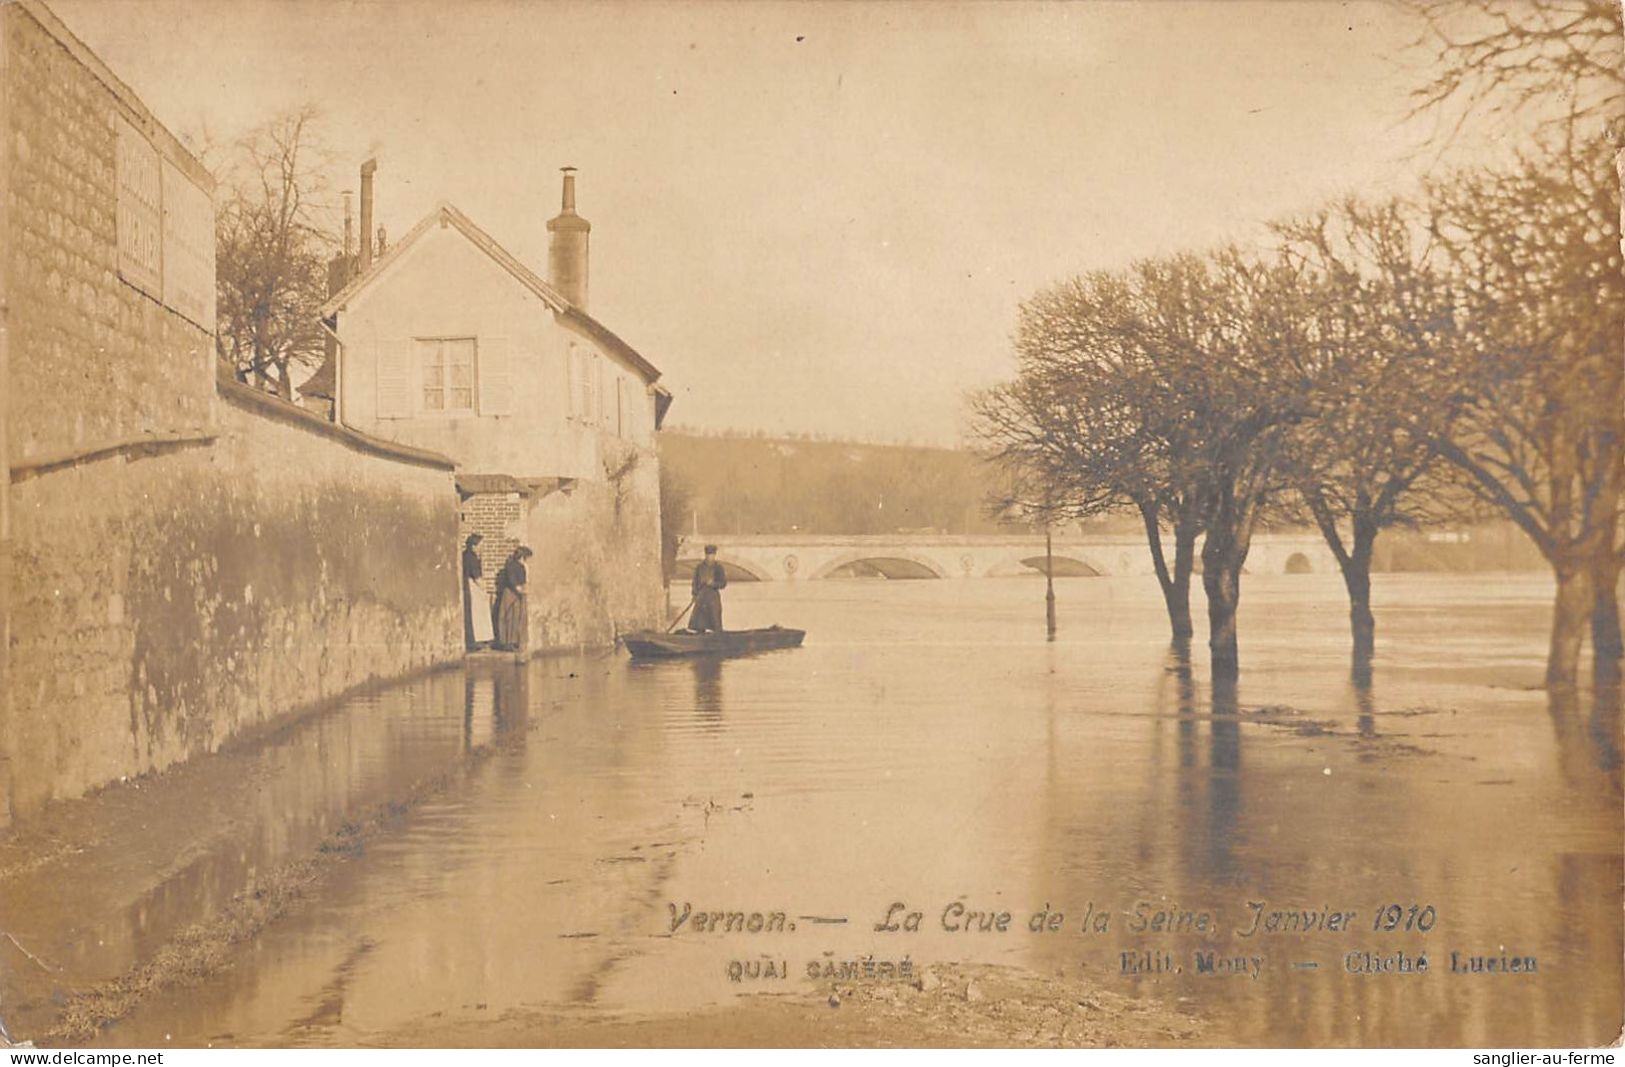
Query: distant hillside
[
  {"x": 759, "y": 485},
  {"x": 725, "y": 485}
]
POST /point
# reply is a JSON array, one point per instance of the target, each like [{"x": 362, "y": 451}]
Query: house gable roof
[{"x": 447, "y": 215}]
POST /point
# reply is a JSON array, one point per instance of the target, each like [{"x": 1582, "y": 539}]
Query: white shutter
[
  {"x": 496, "y": 396},
  {"x": 570, "y": 381},
  {"x": 598, "y": 390},
  {"x": 394, "y": 379}
]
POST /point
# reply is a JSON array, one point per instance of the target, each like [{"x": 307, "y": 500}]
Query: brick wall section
[
  {"x": 94, "y": 360},
  {"x": 495, "y": 517},
  {"x": 162, "y": 605}
]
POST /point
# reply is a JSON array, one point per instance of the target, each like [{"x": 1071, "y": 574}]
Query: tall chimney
[
  {"x": 349, "y": 225},
  {"x": 567, "y": 246},
  {"x": 366, "y": 212}
]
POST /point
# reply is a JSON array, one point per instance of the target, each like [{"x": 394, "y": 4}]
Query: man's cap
[{"x": 710, "y": 550}]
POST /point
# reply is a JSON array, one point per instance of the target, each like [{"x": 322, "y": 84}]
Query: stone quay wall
[
  {"x": 596, "y": 571},
  {"x": 181, "y": 559},
  {"x": 162, "y": 605}
]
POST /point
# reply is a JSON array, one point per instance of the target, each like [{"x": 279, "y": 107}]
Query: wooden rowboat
[{"x": 652, "y": 644}]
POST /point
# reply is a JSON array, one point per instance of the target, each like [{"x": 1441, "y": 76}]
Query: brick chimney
[{"x": 567, "y": 246}]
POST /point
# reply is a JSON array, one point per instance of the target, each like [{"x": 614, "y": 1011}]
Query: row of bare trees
[
  {"x": 1378, "y": 365},
  {"x": 1375, "y": 364}
]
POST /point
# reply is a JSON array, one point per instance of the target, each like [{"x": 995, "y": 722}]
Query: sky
[{"x": 813, "y": 217}]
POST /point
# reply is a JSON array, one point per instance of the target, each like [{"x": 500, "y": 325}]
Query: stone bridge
[{"x": 790, "y": 557}]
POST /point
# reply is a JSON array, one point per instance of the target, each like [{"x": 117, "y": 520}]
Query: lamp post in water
[
  {"x": 1049, "y": 581},
  {"x": 1049, "y": 567}
]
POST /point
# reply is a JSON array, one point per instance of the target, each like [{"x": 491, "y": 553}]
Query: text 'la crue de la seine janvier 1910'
[{"x": 1287, "y": 931}]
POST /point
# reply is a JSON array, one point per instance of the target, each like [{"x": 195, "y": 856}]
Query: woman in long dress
[
  {"x": 510, "y": 609},
  {"x": 476, "y": 603}
]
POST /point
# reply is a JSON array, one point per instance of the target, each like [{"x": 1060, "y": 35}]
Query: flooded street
[{"x": 927, "y": 748}]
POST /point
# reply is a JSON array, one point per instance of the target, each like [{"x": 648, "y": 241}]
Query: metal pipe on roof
[{"x": 367, "y": 170}]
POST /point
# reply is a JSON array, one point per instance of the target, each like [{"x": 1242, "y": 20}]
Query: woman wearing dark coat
[{"x": 510, "y": 613}]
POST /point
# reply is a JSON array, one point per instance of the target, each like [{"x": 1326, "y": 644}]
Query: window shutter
[
  {"x": 583, "y": 369},
  {"x": 394, "y": 379},
  {"x": 570, "y": 381},
  {"x": 496, "y": 394},
  {"x": 598, "y": 390}
]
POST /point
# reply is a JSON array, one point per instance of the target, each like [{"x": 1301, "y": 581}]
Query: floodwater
[{"x": 928, "y": 748}]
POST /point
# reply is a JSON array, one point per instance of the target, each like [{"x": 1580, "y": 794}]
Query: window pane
[
  {"x": 462, "y": 375},
  {"x": 462, "y": 399},
  {"x": 432, "y": 376},
  {"x": 433, "y": 399}
]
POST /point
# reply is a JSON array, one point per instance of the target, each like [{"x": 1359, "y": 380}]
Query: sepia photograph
[{"x": 811, "y": 524}]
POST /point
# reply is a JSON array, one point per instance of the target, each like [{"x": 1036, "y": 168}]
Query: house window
[{"x": 446, "y": 372}]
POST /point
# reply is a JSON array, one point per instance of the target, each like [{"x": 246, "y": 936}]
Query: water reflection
[
  {"x": 1224, "y": 783},
  {"x": 708, "y": 691},
  {"x": 923, "y": 752},
  {"x": 1366, "y": 720},
  {"x": 1586, "y": 726}
]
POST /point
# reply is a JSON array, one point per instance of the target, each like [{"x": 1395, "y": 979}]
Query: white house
[{"x": 449, "y": 343}]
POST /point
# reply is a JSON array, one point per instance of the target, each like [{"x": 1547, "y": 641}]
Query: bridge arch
[
  {"x": 1027, "y": 563},
  {"x": 737, "y": 569},
  {"x": 886, "y": 563}
]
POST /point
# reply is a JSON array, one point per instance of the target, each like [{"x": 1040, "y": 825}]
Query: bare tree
[
  {"x": 1537, "y": 379},
  {"x": 1366, "y": 459},
  {"x": 1245, "y": 324},
  {"x": 1538, "y": 249},
  {"x": 271, "y": 252},
  {"x": 1171, "y": 389},
  {"x": 1094, "y": 423},
  {"x": 1503, "y": 57}
]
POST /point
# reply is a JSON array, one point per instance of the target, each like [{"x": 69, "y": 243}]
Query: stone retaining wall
[{"x": 162, "y": 605}]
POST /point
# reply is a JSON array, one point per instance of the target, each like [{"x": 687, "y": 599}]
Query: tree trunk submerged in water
[
  {"x": 1571, "y": 617},
  {"x": 1354, "y": 562},
  {"x": 1228, "y": 526},
  {"x": 1222, "y": 584},
  {"x": 1357, "y": 580},
  {"x": 1221, "y": 581},
  {"x": 1175, "y": 583},
  {"x": 1607, "y": 643}
]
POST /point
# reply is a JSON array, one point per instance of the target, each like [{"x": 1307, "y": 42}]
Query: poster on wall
[
  {"x": 188, "y": 247},
  {"x": 165, "y": 228}
]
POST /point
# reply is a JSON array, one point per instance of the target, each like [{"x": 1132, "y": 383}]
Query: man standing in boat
[{"x": 709, "y": 581}]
